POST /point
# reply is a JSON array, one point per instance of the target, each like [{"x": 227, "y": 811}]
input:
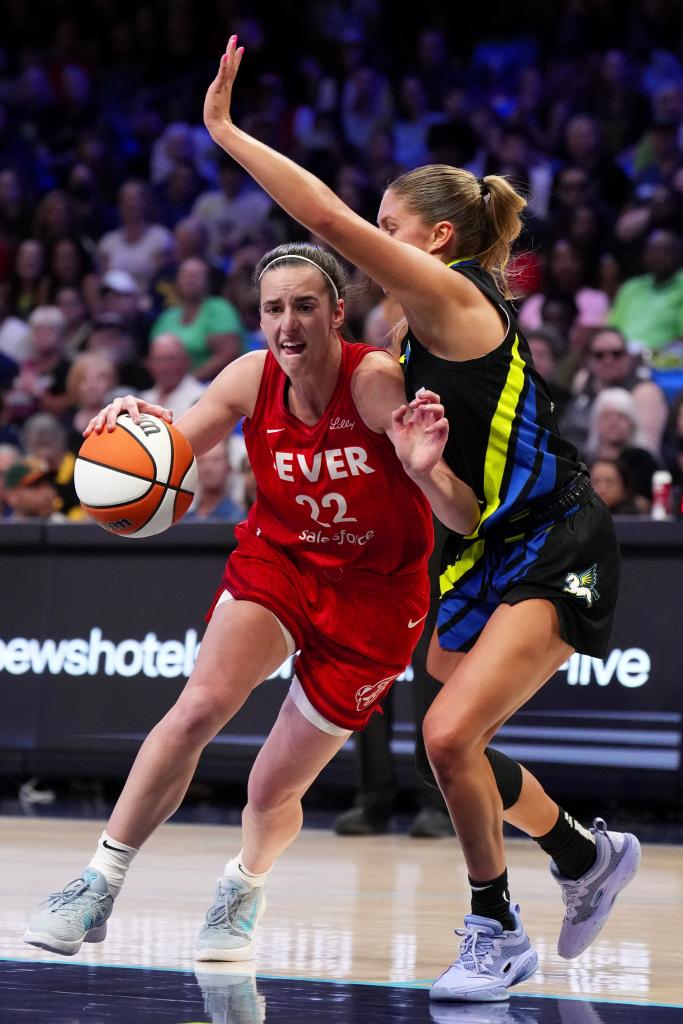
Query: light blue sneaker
[
  {"x": 76, "y": 914},
  {"x": 228, "y": 932},
  {"x": 589, "y": 899},
  {"x": 491, "y": 961}
]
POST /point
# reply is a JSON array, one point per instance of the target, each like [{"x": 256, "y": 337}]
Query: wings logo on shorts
[
  {"x": 583, "y": 585},
  {"x": 367, "y": 695}
]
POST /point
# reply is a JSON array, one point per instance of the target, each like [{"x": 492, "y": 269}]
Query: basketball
[{"x": 138, "y": 479}]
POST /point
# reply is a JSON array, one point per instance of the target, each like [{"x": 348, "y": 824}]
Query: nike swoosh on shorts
[{"x": 412, "y": 625}]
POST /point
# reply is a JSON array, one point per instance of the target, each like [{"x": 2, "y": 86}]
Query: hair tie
[
  {"x": 295, "y": 256},
  {"x": 484, "y": 191}
]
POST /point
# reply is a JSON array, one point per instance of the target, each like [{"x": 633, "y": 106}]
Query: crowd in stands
[{"x": 128, "y": 241}]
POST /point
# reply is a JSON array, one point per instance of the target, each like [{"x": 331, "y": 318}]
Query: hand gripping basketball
[{"x": 137, "y": 478}]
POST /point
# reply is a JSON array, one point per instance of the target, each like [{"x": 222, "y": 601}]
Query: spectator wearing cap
[
  {"x": 119, "y": 294},
  {"x": 136, "y": 245},
  {"x": 648, "y": 309},
  {"x": 208, "y": 326},
  {"x": 174, "y": 387},
  {"x": 41, "y": 382},
  {"x": 44, "y": 439},
  {"x": 30, "y": 493}
]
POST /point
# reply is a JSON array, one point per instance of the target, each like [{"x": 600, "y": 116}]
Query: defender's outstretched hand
[
  {"x": 420, "y": 440},
  {"x": 219, "y": 93}
]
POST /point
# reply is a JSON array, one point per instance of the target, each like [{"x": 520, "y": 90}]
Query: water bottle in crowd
[{"x": 661, "y": 494}]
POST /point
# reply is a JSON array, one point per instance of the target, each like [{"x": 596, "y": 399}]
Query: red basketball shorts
[{"x": 355, "y": 631}]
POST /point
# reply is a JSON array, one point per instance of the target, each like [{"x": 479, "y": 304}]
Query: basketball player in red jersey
[{"x": 332, "y": 562}]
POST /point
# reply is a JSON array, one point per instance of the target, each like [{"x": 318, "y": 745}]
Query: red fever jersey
[
  {"x": 336, "y": 546},
  {"x": 335, "y": 493}
]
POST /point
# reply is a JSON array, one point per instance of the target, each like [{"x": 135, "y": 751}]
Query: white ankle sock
[
  {"x": 236, "y": 869},
  {"x": 113, "y": 859}
]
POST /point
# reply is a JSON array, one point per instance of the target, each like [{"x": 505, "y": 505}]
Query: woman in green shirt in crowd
[{"x": 208, "y": 326}]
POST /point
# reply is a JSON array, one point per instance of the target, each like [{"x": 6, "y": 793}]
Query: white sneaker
[
  {"x": 491, "y": 961},
  {"x": 228, "y": 932}
]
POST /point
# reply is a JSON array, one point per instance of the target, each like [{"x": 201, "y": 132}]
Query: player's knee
[
  {"x": 266, "y": 792},
  {"x": 448, "y": 744},
  {"x": 196, "y": 717}
]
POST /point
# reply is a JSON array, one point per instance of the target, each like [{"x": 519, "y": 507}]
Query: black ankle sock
[
  {"x": 492, "y": 899},
  {"x": 571, "y": 846}
]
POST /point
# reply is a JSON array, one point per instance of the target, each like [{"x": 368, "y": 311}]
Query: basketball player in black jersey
[{"x": 537, "y": 577}]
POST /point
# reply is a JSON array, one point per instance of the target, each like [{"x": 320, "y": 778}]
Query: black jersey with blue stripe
[{"x": 503, "y": 438}]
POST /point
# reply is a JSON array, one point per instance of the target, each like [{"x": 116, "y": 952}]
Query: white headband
[{"x": 295, "y": 256}]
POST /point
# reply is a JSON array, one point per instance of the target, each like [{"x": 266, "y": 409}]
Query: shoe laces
[
  {"x": 227, "y": 905},
  {"x": 475, "y": 947},
  {"x": 67, "y": 895},
  {"x": 574, "y": 891}
]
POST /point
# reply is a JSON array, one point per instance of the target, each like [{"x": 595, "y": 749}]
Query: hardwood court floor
[{"x": 379, "y": 909}]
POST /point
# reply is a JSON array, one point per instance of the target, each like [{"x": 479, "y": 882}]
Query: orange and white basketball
[{"x": 138, "y": 479}]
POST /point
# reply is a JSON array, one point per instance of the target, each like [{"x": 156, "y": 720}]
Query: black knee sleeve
[{"x": 508, "y": 776}]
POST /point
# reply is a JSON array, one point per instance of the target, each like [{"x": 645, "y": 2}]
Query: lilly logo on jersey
[
  {"x": 337, "y": 463},
  {"x": 367, "y": 695},
  {"x": 339, "y": 423}
]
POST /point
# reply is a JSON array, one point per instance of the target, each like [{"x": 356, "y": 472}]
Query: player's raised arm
[
  {"x": 412, "y": 275},
  {"x": 419, "y": 435},
  {"x": 226, "y": 400}
]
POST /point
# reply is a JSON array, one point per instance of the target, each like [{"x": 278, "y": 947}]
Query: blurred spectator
[
  {"x": 178, "y": 193},
  {"x": 30, "y": 493},
  {"x": 612, "y": 482},
  {"x": 28, "y": 284},
  {"x": 615, "y": 433},
  {"x": 211, "y": 500},
  {"x": 583, "y": 142},
  {"x": 14, "y": 333},
  {"x": 566, "y": 275},
  {"x": 411, "y": 127},
  {"x": 9, "y": 454},
  {"x": 648, "y": 309},
  {"x": 112, "y": 338},
  {"x": 548, "y": 349},
  {"x": 53, "y": 218},
  {"x": 120, "y": 296},
  {"x": 609, "y": 364},
  {"x": 367, "y": 106},
  {"x": 45, "y": 439},
  {"x": 232, "y": 213},
  {"x": 135, "y": 246},
  {"x": 239, "y": 289},
  {"x": 41, "y": 382},
  {"x": 71, "y": 266},
  {"x": 208, "y": 326},
  {"x": 15, "y": 208},
  {"x": 174, "y": 388},
  {"x": 77, "y": 320},
  {"x": 672, "y": 447},
  {"x": 89, "y": 384}
]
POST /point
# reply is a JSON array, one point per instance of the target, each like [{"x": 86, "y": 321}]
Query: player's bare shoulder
[
  {"x": 238, "y": 384},
  {"x": 377, "y": 387}
]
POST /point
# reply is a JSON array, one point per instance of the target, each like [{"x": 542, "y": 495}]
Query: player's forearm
[
  {"x": 453, "y": 501},
  {"x": 303, "y": 196}
]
